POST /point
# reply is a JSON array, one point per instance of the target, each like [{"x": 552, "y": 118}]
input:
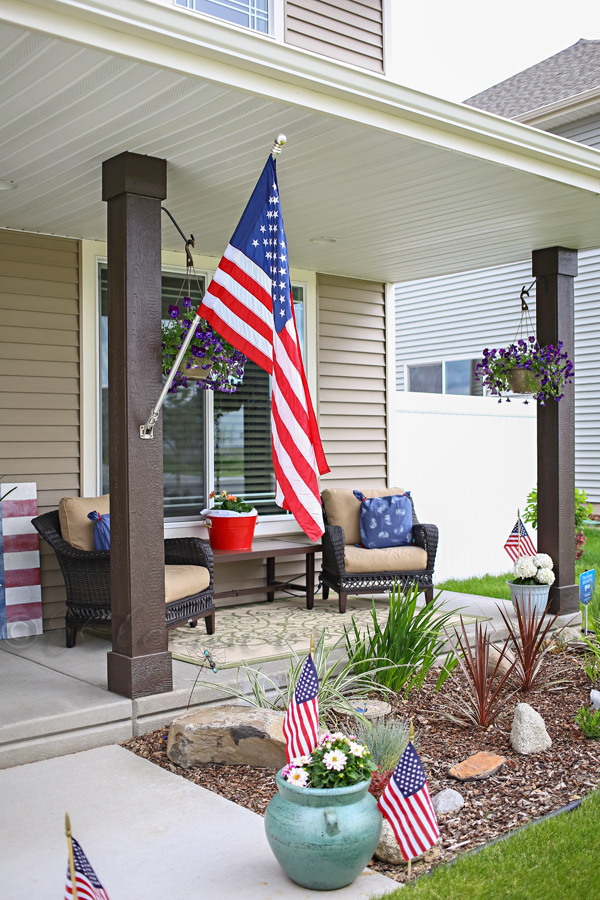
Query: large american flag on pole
[
  {"x": 407, "y": 806},
  {"x": 86, "y": 880},
  {"x": 519, "y": 543},
  {"x": 249, "y": 302},
  {"x": 301, "y": 722}
]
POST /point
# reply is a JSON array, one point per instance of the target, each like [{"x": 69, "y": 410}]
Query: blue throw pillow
[
  {"x": 385, "y": 521},
  {"x": 101, "y": 530}
]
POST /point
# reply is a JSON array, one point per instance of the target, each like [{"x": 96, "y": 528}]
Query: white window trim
[
  {"x": 275, "y": 23},
  {"x": 436, "y": 362},
  {"x": 94, "y": 253}
]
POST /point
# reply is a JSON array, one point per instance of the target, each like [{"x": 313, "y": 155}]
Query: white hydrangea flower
[
  {"x": 335, "y": 759},
  {"x": 543, "y": 561},
  {"x": 298, "y": 776},
  {"x": 525, "y": 567},
  {"x": 545, "y": 576},
  {"x": 357, "y": 749}
]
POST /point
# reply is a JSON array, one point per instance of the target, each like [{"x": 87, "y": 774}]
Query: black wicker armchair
[
  {"x": 87, "y": 580},
  {"x": 335, "y": 576}
]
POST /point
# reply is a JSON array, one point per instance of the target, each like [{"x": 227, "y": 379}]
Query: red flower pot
[{"x": 231, "y": 532}]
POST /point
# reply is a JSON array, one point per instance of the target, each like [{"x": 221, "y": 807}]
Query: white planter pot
[{"x": 522, "y": 594}]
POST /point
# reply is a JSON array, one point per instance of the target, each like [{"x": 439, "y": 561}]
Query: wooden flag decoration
[{"x": 20, "y": 586}]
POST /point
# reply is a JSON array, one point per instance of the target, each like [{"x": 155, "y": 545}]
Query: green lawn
[
  {"x": 554, "y": 860},
  {"x": 495, "y": 585}
]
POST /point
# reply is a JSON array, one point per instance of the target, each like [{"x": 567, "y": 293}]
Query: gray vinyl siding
[
  {"x": 346, "y": 30},
  {"x": 584, "y": 131},
  {"x": 39, "y": 380},
  {"x": 352, "y": 381},
  {"x": 457, "y": 316}
]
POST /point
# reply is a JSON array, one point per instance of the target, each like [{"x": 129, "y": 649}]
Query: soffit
[{"x": 399, "y": 208}]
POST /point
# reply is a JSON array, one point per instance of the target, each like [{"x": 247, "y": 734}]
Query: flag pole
[
  {"x": 409, "y": 870},
  {"x": 411, "y": 737},
  {"x": 312, "y": 644},
  {"x": 518, "y": 532},
  {"x": 71, "y": 859}
]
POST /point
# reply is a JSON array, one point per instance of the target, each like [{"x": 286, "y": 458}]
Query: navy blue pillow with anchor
[{"x": 385, "y": 521}]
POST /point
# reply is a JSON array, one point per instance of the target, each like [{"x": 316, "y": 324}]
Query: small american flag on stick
[
  {"x": 87, "y": 884},
  {"x": 407, "y": 806},
  {"x": 249, "y": 302},
  {"x": 519, "y": 543},
  {"x": 301, "y": 723}
]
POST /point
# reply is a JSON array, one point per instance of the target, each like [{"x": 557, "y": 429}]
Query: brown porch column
[
  {"x": 555, "y": 269},
  {"x": 140, "y": 663}
]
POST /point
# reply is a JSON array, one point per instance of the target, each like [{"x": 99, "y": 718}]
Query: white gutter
[
  {"x": 200, "y": 47},
  {"x": 572, "y": 104}
]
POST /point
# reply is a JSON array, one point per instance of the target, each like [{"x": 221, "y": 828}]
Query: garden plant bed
[{"x": 526, "y": 788}]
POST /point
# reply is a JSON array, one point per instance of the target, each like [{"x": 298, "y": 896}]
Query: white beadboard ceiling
[{"x": 399, "y": 209}]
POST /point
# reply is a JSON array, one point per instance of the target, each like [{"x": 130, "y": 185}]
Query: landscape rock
[
  {"x": 595, "y": 699},
  {"x": 529, "y": 733},
  {"x": 570, "y": 637},
  {"x": 493, "y": 657},
  {"x": 232, "y": 735},
  {"x": 388, "y": 850},
  {"x": 447, "y": 801},
  {"x": 478, "y": 767}
]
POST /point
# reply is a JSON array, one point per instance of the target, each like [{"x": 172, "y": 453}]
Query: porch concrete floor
[
  {"x": 55, "y": 701},
  {"x": 148, "y": 834}
]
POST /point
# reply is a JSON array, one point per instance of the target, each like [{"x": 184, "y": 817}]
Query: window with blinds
[
  {"x": 241, "y": 448},
  {"x": 253, "y": 14}
]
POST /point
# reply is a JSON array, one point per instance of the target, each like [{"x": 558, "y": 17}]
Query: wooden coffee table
[{"x": 270, "y": 549}]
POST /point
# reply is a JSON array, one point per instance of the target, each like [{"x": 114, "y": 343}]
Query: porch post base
[
  {"x": 564, "y": 599},
  {"x": 140, "y": 676}
]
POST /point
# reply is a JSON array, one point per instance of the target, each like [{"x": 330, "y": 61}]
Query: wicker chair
[
  {"x": 87, "y": 580},
  {"x": 335, "y": 576}
]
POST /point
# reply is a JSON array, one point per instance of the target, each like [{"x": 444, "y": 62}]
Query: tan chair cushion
[
  {"x": 75, "y": 527},
  {"x": 387, "y": 559},
  {"x": 183, "y": 581},
  {"x": 342, "y": 508}
]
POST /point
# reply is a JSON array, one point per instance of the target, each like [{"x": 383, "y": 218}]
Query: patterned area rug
[{"x": 260, "y": 632}]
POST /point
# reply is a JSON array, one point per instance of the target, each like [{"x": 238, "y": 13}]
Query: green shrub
[
  {"x": 410, "y": 640},
  {"x": 386, "y": 739},
  {"x": 589, "y": 722},
  {"x": 583, "y": 509}
]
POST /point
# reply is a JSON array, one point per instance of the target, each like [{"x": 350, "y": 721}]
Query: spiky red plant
[{"x": 530, "y": 644}]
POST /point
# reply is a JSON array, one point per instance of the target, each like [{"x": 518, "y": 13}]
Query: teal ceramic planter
[{"x": 321, "y": 838}]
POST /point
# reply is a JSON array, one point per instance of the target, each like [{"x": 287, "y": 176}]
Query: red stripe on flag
[
  {"x": 20, "y": 543},
  {"x": 23, "y": 612},
  {"x": 21, "y": 577},
  {"x": 246, "y": 281},
  {"x": 12, "y": 508},
  {"x": 235, "y": 338},
  {"x": 241, "y": 310}
]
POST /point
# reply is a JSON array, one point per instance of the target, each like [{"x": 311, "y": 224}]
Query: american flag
[
  {"x": 301, "y": 723},
  {"x": 519, "y": 533},
  {"x": 20, "y": 585},
  {"x": 249, "y": 302},
  {"x": 86, "y": 880},
  {"x": 407, "y": 806}
]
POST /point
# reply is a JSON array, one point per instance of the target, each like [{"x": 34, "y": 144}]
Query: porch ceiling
[{"x": 400, "y": 208}]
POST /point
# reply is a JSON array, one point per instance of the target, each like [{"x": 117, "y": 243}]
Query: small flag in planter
[
  {"x": 519, "y": 543},
  {"x": 79, "y": 871},
  {"x": 301, "y": 723},
  {"x": 407, "y": 806}
]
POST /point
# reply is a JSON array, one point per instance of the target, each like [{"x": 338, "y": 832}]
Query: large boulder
[
  {"x": 388, "y": 849},
  {"x": 529, "y": 733},
  {"x": 233, "y": 735}
]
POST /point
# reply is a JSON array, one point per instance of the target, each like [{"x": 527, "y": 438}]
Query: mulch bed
[{"x": 526, "y": 788}]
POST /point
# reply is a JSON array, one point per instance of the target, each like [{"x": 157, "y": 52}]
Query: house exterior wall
[
  {"x": 352, "y": 381},
  {"x": 39, "y": 389},
  {"x": 584, "y": 131},
  {"x": 347, "y": 30}
]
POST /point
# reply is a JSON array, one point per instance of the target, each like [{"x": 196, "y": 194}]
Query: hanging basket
[{"x": 524, "y": 381}]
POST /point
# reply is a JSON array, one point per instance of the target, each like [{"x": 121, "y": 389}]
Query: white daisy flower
[
  {"x": 357, "y": 749},
  {"x": 298, "y": 776},
  {"x": 335, "y": 759},
  {"x": 301, "y": 760},
  {"x": 525, "y": 567}
]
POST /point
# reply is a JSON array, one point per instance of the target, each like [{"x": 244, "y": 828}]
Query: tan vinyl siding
[
  {"x": 352, "y": 381},
  {"x": 348, "y": 30},
  {"x": 39, "y": 380}
]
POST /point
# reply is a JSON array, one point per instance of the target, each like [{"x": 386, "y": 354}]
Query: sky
[{"x": 455, "y": 50}]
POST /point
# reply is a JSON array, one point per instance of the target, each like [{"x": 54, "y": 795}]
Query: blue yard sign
[{"x": 587, "y": 586}]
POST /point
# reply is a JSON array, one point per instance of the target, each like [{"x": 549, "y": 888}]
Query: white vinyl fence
[{"x": 470, "y": 463}]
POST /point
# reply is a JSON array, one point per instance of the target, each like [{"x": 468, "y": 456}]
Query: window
[
  {"x": 211, "y": 441},
  {"x": 455, "y": 376},
  {"x": 253, "y": 14}
]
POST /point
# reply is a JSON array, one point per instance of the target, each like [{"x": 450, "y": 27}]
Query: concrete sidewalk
[{"x": 148, "y": 834}]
